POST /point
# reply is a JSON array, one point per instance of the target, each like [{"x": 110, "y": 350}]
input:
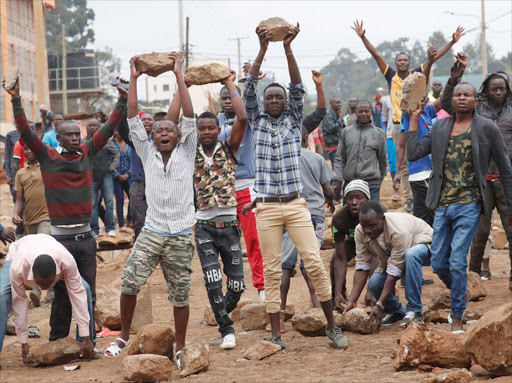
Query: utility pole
[
  {"x": 483, "y": 44},
  {"x": 180, "y": 5},
  {"x": 187, "y": 48},
  {"x": 239, "y": 54},
  {"x": 64, "y": 73}
]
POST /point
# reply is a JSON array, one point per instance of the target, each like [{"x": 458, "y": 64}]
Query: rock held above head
[
  {"x": 413, "y": 90},
  {"x": 206, "y": 74},
  {"x": 11, "y": 76},
  {"x": 154, "y": 64},
  {"x": 277, "y": 27}
]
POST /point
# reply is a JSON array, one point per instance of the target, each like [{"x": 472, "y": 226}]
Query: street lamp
[{"x": 483, "y": 45}]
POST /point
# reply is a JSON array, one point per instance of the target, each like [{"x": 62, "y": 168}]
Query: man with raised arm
[
  {"x": 216, "y": 230},
  {"x": 244, "y": 185},
  {"x": 395, "y": 79},
  {"x": 495, "y": 104},
  {"x": 331, "y": 127},
  {"x": 67, "y": 178},
  {"x": 167, "y": 235},
  {"x": 462, "y": 148},
  {"x": 277, "y": 134}
]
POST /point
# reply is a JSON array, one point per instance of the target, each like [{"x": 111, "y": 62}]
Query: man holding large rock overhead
[{"x": 279, "y": 203}]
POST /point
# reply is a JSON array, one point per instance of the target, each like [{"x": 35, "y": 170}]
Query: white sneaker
[
  {"x": 111, "y": 233},
  {"x": 228, "y": 342},
  {"x": 261, "y": 295}
]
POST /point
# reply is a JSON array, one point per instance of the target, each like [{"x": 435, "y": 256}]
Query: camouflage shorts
[{"x": 175, "y": 256}]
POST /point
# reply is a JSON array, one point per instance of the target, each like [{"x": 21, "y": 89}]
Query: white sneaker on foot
[
  {"x": 228, "y": 342},
  {"x": 261, "y": 295},
  {"x": 111, "y": 233}
]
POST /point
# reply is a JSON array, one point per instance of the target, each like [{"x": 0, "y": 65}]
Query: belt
[
  {"x": 217, "y": 224},
  {"x": 280, "y": 198},
  {"x": 71, "y": 237}
]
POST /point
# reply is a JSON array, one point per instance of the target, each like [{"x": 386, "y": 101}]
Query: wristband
[
  {"x": 234, "y": 94},
  {"x": 257, "y": 64},
  {"x": 289, "y": 54},
  {"x": 380, "y": 305}
]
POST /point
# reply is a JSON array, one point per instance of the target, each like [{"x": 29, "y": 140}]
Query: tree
[
  {"x": 443, "y": 65},
  {"x": 76, "y": 18},
  {"x": 473, "y": 50}
]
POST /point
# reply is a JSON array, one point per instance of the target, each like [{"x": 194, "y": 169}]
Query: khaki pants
[
  {"x": 295, "y": 217},
  {"x": 402, "y": 168},
  {"x": 42, "y": 227}
]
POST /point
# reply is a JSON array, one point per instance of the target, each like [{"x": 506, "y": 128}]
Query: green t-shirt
[{"x": 459, "y": 181}]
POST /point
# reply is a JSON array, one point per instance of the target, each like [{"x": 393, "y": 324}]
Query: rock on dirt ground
[
  {"x": 261, "y": 350},
  {"x": 254, "y": 317},
  {"x": 194, "y": 359},
  {"x": 147, "y": 368},
  {"x": 310, "y": 323},
  {"x": 153, "y": 339},
  {"x": 369, "y": 357},
  {"x": 419, "y": 345},
  {"x": 489, "y": 341},
  {"x": 61, "y": 351},
  {"x": 460, "y": 376}
]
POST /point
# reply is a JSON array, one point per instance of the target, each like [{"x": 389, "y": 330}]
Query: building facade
[{"x": 23, "y": 44}]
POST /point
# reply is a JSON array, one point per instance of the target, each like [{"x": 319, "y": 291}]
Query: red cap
[
  {"x": 141, "y": 113},
  {"x": 378, "y": 95}
]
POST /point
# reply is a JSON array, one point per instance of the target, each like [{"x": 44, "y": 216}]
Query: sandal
[
  {"x": 114, "y": 348},
  {"x": 177, "y": 357}
]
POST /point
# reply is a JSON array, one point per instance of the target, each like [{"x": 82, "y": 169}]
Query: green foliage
[
  {"x": 76, "y": 18},
  {"x": 474, "y": 50}
]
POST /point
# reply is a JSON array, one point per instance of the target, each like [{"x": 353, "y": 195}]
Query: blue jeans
[
  {"x": 414, "y": 258},
  {"x": 454, "y": 228},
  {"x": 106, "y": 185},
  {"x": 391, "y": 151},
  {"x": 119, "y": 189},
  {"x": 375, "y": 285},
  {"x": 375, "y": 192},
  {"x": 289, "y": 252},
  {"x": 6, "y": 303}
]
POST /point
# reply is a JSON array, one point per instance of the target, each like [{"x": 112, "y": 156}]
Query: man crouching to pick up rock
[
  {"x": 38, "y": 260},
  {"x": 216, "y": 230},
  {"x": 400, "y": 241}
]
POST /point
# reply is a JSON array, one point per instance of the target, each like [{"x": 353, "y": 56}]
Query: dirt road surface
[{"x": 306, "y": 359}]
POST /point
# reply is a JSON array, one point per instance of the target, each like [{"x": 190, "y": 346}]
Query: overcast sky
[{"x": 132, "y": 27}]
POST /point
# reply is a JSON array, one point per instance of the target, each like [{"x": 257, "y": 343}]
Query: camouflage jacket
[{"x": 215, "y": 184}]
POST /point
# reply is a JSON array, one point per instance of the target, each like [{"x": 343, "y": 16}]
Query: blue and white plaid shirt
[
  {"x": 124, "y": 160},
  {"x": 277, "y": 142}
]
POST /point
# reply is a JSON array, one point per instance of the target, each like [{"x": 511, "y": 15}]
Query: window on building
[{"x": 166, "y": 87}]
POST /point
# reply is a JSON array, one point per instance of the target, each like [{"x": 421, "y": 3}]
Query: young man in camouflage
[
  {"x": 166, "y": 237},
  {"x": 216, "y": 230},
  {"x": 462, "y": 148}
]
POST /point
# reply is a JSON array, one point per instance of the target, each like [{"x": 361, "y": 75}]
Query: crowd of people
[{"x": 263, "y": 167}]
